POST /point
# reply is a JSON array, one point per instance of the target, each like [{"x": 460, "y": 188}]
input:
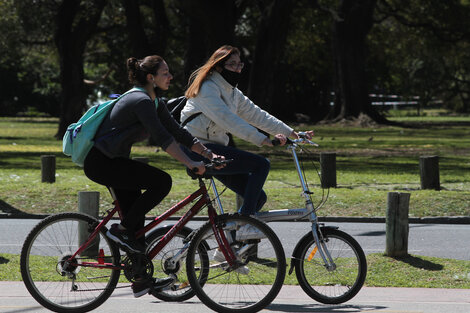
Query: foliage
[
  {"x": 418, "y": 48},
  {"x": 28, "y": 66}
]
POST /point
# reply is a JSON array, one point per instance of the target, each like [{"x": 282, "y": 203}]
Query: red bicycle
[{"x": 69, "y": 265}]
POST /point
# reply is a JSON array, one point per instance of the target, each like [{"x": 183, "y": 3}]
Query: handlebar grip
[{"x": 277, "y": 142}]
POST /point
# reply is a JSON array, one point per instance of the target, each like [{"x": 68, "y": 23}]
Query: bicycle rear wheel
[
  {"x": 336, "y": 285},
  {"x": 256, "y": 278},
  {"x": 72, "y": 287},
  {"x": 181, "y": 290}
]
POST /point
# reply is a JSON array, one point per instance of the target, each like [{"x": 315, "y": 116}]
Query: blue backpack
[{"x": 80, "y": 136}]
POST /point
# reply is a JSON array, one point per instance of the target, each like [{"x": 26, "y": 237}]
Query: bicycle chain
[{"x": 97, "y": 289}]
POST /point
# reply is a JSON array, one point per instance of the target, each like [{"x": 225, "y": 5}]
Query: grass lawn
[
  {"x": 371, "y": 162},
  {"x": 410, "y": 271}
]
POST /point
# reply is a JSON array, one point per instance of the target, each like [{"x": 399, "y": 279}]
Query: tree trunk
[
  {"x": 271, "y": 40},
  {"x": 162, "y": 28},
  {"x": 211, "y": 25},
  {"x": 74, "y": 27},
  {"x": 349, "y": 50},
  {"x": 140, "y": 45}
]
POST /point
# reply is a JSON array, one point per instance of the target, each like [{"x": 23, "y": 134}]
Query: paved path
[{"x": 14, "y": 298}]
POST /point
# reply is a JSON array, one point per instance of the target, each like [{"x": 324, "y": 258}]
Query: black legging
[{"x": 128, "y": 178}]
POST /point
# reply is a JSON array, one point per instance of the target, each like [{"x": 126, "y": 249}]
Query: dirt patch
[{"x": 362, "y": 120}]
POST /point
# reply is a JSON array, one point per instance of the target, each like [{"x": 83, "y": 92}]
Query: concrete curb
[{"x": 336, "y": 219}]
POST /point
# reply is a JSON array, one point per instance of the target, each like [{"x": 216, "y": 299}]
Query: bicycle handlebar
[
  {"x": 301, "y": 140},
  {"x": 214, "y": 163}
]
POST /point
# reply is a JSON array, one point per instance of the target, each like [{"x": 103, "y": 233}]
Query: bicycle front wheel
[
  {"x": 255, "y": 279},
  {"x": 62, "y": 284},
  {"x": 337, "y": 284}
]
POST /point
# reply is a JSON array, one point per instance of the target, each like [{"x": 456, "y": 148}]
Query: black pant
[{"x": 128, "y": 178}]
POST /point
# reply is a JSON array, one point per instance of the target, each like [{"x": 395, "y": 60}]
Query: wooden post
[
  {"x": 328, "y": 169},
  {"x": 48, "y": 168},
  {"x": 88, "y": 203},
  {"x": 429, "y": 172},
  {"x": 141, "y": 159},
  {"x": 397, "y": 227}
]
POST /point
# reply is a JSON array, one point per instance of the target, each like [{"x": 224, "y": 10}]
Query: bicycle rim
[
  {"x": 252, "y": 283},
  {"x": 337, "y": 285},
  {"x": 61, "y": 287},
  {"x": 181, "y": 290}
]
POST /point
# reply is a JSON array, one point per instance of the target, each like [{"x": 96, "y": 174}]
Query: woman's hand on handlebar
[
  {"x": 201, "y": 169},
  {"x": 219, "y": 158},
  {"x": 281, "y": 138}
]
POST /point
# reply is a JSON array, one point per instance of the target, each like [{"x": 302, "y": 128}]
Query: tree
[
  {"x": 352, "y": 22},
  {"x": 211, "y": 24},
  {"x": 435, "y": 38},
  {"x": 76, "y": 22},
  {"x": 272, "y": 32},
  {"x": 158, "y": 28}
]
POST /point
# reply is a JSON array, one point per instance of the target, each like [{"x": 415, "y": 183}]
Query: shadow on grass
[
  {"x": 4, "y": 260},
  {"x": 7, "y": 208},
  {"x": 419, "y": 263}
]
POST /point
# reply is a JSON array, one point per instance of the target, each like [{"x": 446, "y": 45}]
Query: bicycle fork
[{"x": 321, "y": 248}]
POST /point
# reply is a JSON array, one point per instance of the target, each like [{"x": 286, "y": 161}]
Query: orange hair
[{"x": 200, "y": 75}]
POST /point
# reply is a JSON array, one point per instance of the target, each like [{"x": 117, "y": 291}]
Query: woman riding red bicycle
[{"x": 135, "y": 117}]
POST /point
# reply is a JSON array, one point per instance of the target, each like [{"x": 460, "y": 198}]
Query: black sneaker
[
  {"x": 161, "y": 283},
  {"x": 140, "y": 288},
  {"x": 124, "y": 239}
]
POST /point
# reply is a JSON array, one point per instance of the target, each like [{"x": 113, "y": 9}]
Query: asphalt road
[{"x": 440, "y": 240}]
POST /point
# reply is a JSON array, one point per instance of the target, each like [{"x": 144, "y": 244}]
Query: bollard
[
  {"x": 429, "y": 172},
  {"x": 328, "y": 169},
  {"x": 88, "y": 203},
  {"x": 48, "y": 168},
  {"x": 141, "y": 159},
  {"x": 397, "y": 227}
]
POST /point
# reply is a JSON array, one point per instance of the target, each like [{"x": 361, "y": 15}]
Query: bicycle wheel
[
  {"x": 63, "y": 287},
  {"x": 256, "y": 278},
  {"x": 339, "y": 284},
  {"x": 181, "y": 290}
]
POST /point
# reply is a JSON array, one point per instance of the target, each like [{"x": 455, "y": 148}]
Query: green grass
[
  {"x": 370, "y": 163},
  {"x": 383, "y": 271}
]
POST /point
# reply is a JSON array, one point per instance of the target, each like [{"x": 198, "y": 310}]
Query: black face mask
[{"x": 231, "y": 77}]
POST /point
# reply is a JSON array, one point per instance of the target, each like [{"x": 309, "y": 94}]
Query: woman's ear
[{"x": 150, "y": 78}]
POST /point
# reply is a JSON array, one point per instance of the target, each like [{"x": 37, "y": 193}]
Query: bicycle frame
[
  {"x": 296, "y": 214},
  {"x": 203, "y": 201}
]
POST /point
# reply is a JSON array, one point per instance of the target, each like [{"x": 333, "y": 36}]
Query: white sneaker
[
  {"x": 219, "y": 257},
  {"x": 248, "y": 231}
]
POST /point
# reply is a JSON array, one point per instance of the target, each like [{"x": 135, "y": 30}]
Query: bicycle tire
[
  {"x": 336, "y": 286},
  {"x": 45, "y": 275},
  {"x": 224, "y": 288},
  {"x": 181, "y": 290}
]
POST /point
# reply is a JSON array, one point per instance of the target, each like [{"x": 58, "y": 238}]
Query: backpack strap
[{"x": 190, "y": 118}]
